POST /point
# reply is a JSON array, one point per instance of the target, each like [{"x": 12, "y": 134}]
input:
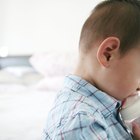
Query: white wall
[
  {"x": 2, "y": 23},
  {"x": 30, "y": 26}
]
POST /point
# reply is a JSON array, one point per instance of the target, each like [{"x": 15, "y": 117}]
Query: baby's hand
[{"x": 136, "y": 131}]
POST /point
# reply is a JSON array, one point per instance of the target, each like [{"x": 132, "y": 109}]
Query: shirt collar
[{"x": 106, "y": 104}]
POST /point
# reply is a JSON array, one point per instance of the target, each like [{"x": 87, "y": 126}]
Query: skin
[{"x": 104, "y": 67}]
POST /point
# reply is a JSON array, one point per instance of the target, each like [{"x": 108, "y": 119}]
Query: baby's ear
[{"x": 107, "y": 50}]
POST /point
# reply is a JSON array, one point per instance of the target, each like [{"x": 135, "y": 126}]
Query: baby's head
[{"x": 110, "y": 48}]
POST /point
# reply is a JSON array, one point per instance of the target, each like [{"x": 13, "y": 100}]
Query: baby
[{"x": 108, "y": 71}]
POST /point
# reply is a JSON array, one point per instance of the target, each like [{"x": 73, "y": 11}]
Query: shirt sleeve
[
  {"x": 94, "y": 131},
  {"x": 88, "y": 127},
  {"x": 81, "y": 127}
]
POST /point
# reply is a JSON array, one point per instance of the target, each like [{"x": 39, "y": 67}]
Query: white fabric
[
  {"x": 54, "y": 64},
  {"x": 23, "y": 112}
]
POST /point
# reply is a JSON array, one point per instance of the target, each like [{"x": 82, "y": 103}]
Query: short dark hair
[{"x": 119, "y": 18}]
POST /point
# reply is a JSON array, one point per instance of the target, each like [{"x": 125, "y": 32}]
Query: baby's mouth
[
  {"x": 130, "y": 99},
  {"x": 123, "y": 102}
]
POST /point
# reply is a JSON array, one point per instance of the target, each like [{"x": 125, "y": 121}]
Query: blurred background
[{"x": 38, "y": 47}]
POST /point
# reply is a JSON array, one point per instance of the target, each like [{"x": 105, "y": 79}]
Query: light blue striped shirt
[{"x": 83, "y": 112}]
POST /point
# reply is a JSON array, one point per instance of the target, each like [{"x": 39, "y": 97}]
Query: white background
[{"x": 30, "y": 26}]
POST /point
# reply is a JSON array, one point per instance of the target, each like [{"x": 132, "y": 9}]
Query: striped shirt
[{"x": 83, "y": 112}]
